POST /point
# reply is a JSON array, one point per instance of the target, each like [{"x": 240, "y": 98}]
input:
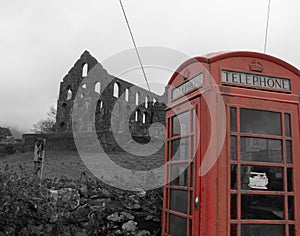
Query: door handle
[{"x": 196, "y": 202}]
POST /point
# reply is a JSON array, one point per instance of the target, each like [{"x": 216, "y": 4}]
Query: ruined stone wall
[
  {"x": 80, "y": 101},
  {"x": 93, "y": 101},
  {"x": 68, "y": 89}
]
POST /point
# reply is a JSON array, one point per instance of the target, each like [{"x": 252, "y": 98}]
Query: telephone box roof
[{"x": 218, "y": 56}]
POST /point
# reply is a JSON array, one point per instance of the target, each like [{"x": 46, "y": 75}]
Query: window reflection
[
  {"x": 179, "y": 174},
  {"x": 260, "y": 207},
  {"x": 233, "y": 176},
  {"x": 191, "y": 201},
  {"x": 193, "y": 119},
  {"x": 192, "y": 148},
  {"x": 262, "y": 230},
  {"x": 291, "y": 230},
  {"x": 233, "y": 230},
  {"x": 181, "y": 124},
  {"x": 288, "y": 152},
  {"x": 192, "y": 174},
  {"x": 180, "y": 149},
  {"x": 252, "y": 178},
  {"x": 233, "y": 207},
  {"x": 291, "y": 207},
  {"x": 261, "y": 150},
  {"x": 260, "y": 122},
  {"x": 290, "y": 179},
  {"x": 287, "y": 122},
  {"x": 261, "y": 178},
  {"x": 233, "y": 148},
  {"x": 179, "y": 200},
  {"x": 178, "y": 225},
  {"x": 233, "y": 119}
]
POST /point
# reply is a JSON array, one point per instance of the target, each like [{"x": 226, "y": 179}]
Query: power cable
[
  {"x": 267, "y": 27},
  {"x": 134, "y": 44}
]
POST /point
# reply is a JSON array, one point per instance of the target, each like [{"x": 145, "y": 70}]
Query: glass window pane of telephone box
[{"x": 258, "y": 167}]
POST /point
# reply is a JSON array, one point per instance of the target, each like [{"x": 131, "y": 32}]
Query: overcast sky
[{"x": 40, "y": 40}]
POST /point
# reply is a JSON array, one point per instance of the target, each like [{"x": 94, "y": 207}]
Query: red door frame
[
  {"x": 224, "y": 160},
  {"x": 193, "y": 107}
]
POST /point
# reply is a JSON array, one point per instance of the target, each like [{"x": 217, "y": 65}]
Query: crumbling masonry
[{"x": 131, "y": 104}]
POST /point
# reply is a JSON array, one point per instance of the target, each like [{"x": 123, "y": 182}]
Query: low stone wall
[
  {"x": 54, "y": 141},
  {"x": 64, "y": 141}
]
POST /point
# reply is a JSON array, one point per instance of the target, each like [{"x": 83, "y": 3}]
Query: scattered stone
[
  {"x": 95, "y": 196},
  {"x": 53, "y": 209},
  {"x": 129, "y": 226},
  {"x": 143, "y": 233},
  {"x": 149, "y": 217},
  {"x": 127, "y": 215},
  {"x": 140, "y": 192},
  {"x": 83, "y": 190},
  {"x": 132, "y": 206},
  {"x": 134, "y": 198},
  {"x": 117, "y": 232},
  {"x": 120, "y": 217}
]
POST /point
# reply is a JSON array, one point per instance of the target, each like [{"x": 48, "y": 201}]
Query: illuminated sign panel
[
  {"x": 188, "y": 86},
  {"x": 241, "y": 78}
]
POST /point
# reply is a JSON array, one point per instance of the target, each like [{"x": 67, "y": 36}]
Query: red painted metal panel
[{"x": 213, "y": 189}]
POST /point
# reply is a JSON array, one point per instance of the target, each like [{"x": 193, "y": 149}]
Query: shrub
[{"x": 10, "y": 149}]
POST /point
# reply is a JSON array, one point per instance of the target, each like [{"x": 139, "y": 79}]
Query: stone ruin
[
  {"x": 90, "y": 99},
  {"x": 131, "y": 103}
]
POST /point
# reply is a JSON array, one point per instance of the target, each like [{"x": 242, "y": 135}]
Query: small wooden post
[{"x": 38, "y": 156}]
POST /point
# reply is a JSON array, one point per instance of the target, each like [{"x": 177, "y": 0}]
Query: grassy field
[
  {"x": 70, "y": 165},
  {"x": 56, "y": 164}
]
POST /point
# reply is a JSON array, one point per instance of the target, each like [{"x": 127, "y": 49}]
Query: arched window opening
[
  {"x": 137, "y": 114},
  {"x": 137, "y": 98},
  {"x": 126, "y": 94},
  {"x": 97, "y": 87},
  {"x": 154, "y": 101},
  {"x": 146, "y": 101},
  {"x": 145, "y": 116},
  {"x": 62, "y": 125},
  {"x": 85, "y": 70},
  {"x": 83, "y": 86},
  {"x": 116, "y": 90},
  {"x": 69, "y": 94},
  {"x": 101, "y": 104}
]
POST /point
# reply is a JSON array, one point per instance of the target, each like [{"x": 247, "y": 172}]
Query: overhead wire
[
  {"x": 134, "y": 44},
  {"x": 267, "y": 27}
]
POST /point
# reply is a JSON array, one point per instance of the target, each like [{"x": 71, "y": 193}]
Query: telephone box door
[
  {"x": 263, "y": 144},
  {"x": 180, "y": 201}
]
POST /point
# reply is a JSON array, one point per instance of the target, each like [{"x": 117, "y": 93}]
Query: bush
[
  {"x": 10, "y": 149},
  {"x": 2, "y": 151}
]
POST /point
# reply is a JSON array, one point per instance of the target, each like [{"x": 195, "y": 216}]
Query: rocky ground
[{"x": 73, "y": 206}]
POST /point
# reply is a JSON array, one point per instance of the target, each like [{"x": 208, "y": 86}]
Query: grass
[
  {"x": 70, "y": 165},
  {"x": 56, "y": 164}
]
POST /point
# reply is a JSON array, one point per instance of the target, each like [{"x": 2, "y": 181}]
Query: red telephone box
[{"x": 250, "y": 186}]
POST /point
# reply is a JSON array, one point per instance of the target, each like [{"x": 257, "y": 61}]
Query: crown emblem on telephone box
[{"x": 256, "y": 66}]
